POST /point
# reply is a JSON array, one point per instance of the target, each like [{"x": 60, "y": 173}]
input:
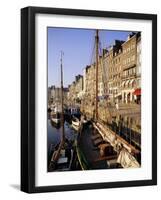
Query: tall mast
[
  {"x": 62, "y": 115},
  {"x": 62, "y": 98},
  {"x": 96, "y": 103}
]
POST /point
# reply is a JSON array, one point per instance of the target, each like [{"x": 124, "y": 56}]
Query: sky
[{"x": 77, "y": 45}]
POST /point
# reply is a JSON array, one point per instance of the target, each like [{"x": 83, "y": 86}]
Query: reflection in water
[{"x": 54, "y": 134}]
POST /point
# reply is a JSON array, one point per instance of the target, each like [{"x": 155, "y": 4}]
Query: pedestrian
[{"x": 117, "y": 106}]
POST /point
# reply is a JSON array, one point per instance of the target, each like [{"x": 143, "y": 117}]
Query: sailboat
[
  {"x": 62, "y": 153},
  {"x": 99, "y": 147},
  {"x": 55, "y": 116},
  {"x": 76, "y": 123}
]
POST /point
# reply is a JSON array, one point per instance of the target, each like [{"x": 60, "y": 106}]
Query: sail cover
[{"x": 127, "y": 160}]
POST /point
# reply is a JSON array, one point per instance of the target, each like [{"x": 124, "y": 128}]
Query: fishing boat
[
  {"x": 75, "y": 123},
  {"x": 98, "y": 147},
  {"x": 74, "y": 111},
  {"x": 56, "y": 114},
  {"x": 49, "y": 108},
  {"x": 64, "y": 161},
  {"x": 55, "y": 117},
  {"x": 84, "y": 120},
  {"x": 78, "y": 123},
  {"x": 62, "y": 154}
]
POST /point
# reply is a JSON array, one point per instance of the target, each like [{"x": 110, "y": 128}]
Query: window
[
  {"x": 138, "y": 69},
  {"x": 128, "y": 60},
  {"x": 133, "y": 46},
  {"x": 128, "y": 49},
  {"x": 133, "y": 58}
]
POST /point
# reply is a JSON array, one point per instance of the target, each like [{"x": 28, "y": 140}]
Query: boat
[
  {"x": 55, "y": 117},
  {"x": 125, "y": 151},
  {"x": 62, "y": 155},
  {"x": 76, "y": 123},
  {"x": 49, "y": 109},
  {"x": 55, "y": 114},
  {"x": 55, "y": 125},
  {"x": 84, "y": 120},
  {"x": 98, "y": 147},
  {"x": 74, "y": 111},
  {"x": 65, "y": 159}
]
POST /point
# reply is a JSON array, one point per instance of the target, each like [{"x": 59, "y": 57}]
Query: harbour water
[{"x": 54, "y": 134}]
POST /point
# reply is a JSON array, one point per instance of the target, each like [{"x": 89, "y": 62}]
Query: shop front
[{"x": 137, "y": 94}]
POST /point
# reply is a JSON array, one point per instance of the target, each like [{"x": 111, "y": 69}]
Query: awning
[
  {"x": 127, "y": 160},
  {"x": 137, "y": 92},
  {"x": 118, "y": 95},
  {"x": 127, "y": 82},
  {"x": 132, "y": 81},
  {"x": 123, "y": 83},
  {"x": 103, "y": 97}
]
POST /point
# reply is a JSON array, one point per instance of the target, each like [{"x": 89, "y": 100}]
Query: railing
[
  {"x": 131, "y": 136},
  {"x": 129, "y": 76}
]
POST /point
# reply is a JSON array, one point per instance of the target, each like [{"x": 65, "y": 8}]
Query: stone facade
[
  {"x": 75, "y": 93},
  {"x": 129, "y": 74},
  {"x": 114, "y": 69},
  {"x": 54, "y": 94}
]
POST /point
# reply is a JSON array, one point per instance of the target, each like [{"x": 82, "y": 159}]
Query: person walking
[{"x": 117, "y": 106}]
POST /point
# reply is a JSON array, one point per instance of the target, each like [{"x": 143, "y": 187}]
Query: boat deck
[{"x": 90, "y": 151}]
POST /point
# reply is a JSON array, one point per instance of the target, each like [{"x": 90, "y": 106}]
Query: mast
[
  {"x": 56, "y": 157},
  {"x": 62, "y": 99},
  {"x": 96, "y": 100}
]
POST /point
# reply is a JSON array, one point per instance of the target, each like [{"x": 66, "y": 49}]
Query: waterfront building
[
  {"x": 49, "y": 96},
  {"x": 129, "y": 61},
  {"x": 79, "y": 88},
  {"x": 54, "y": 94},
  {"x": 75, "y": 93},
  {"x": 72, "y": 94},
  {"x": 100, "y": 78},
  {"x": 117, "y": 70},
  {"x": 110, "y": 72},
  {"x": 114, "y": 70},
  {"x": 89, "y": 96},
  {"x": 137, "y": 92},
  {"x": 105, "y": 74}
]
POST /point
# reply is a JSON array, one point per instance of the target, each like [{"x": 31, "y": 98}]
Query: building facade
[
  {"x": 129, "y": 60},
  {"x": 54, "y": 94}
]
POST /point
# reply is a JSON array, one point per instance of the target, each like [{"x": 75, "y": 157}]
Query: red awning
[{"x": 137, "y": 92}]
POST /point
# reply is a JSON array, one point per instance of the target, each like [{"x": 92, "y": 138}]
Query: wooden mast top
[{"x": 96, "y": 100}]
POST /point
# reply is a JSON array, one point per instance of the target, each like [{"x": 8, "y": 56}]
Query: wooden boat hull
[
  {"x": 76, "y": 123},
  {"x": 64, "y": 162},
  {"x": 55, "y": 120}
]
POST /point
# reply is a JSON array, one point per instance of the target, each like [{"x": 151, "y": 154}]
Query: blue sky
[{"x": 77, "y": 45}]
